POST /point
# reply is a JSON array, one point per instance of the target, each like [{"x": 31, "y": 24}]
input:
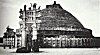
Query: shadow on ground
[{"x": 32, "y": 52}]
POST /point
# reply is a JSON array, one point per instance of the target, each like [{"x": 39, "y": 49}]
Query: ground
[{"x": 55, "y": 51}]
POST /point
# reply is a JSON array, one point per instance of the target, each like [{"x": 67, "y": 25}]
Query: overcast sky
[{"x": 86, "y": 11}]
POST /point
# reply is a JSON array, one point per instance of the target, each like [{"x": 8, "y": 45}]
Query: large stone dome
[
  {"x": 55, "y": 16},
  {"x": 57, "y": 21}
]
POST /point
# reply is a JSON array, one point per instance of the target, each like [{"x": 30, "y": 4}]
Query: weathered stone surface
[{"x": 58, "y": 17}]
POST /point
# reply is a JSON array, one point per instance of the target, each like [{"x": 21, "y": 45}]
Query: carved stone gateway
[{"x": 29, "y": 26}]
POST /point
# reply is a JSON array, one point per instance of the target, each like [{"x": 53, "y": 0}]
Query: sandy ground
[{"x": 55, "y": 51}]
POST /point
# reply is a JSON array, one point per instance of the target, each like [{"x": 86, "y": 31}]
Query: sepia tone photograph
[{"x": 49, "y": 27}]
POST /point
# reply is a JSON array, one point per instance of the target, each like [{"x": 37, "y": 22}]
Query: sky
[{"x": 86, "y": 11}]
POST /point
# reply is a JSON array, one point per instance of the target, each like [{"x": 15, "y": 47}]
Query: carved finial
[
  {"x": 54, "y": 2},
  {"x": 39, "y": 7},
  {"x": 31, "y": 4},
  {"x": 29, "y": 8},
  {"x": 20, "y": 11},
  {"x": 34, "y": 5},
  {"x": 24, "y": 7}
]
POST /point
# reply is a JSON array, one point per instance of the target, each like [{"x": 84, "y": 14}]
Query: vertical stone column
[
  {"x": 56, "y": 41},
  {"x": 23, "y": 34},
  {"x": 77, "y": 42},
  {"x": 35, "y": 46},
  {"x": 23, "y": 29},
  {"x": 84, "y": 44},
  {"x": 23, "y": 38},
  {"x": 80, "y": 42},
  {"x": 66, "y": 42},
  {"x": 74, "y": 42},
  {"x": 15, "y": 41},
  {"x": 60, "y": 44},
  {"x": 34, "y": 24},
  {"x": 4, "y": 42},
  {"x": 51, "y": 41}
]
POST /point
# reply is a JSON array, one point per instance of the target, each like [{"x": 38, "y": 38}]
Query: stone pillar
[
  {"x": 77, "y": 42},
  {"x": 84, "y": 43},
  {"x": 23, "y": 29},
  {"x": 51, "y": 41},
  {"x": 23, "y": 38},
  {"x": 60, "y": 44},
  {"x": 15, "y": 41},
  {"x": 80, "y": 42},
  {"x": 56, "y": 41},
  {"x": 66, "y": 42},
  {"x": 35, "y": 47},
  {"x": 4, "y": 42}
]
